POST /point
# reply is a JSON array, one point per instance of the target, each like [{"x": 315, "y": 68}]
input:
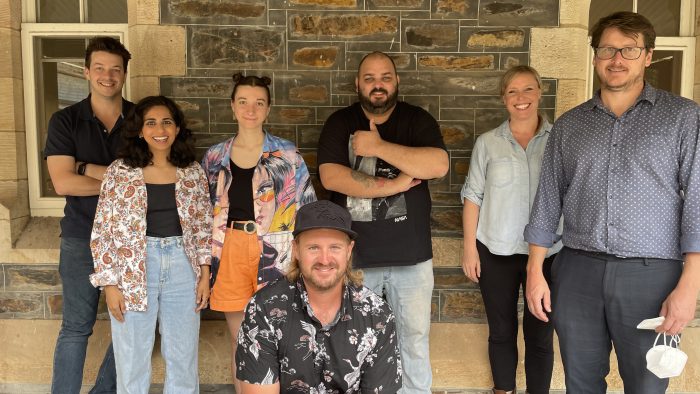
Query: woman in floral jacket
[
  {"x": 257, "y": 183},
  {"x": 151, "y": 243}
]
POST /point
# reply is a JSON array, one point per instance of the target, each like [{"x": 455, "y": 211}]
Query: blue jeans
[
  {"x": 80, "y": 300},
  {"x": 409, "y": 290},
  {"x": 171, "y": 301},
  {"x": 597, "y": 302}
]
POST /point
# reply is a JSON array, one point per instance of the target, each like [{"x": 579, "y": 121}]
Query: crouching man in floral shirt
[{"x": 319, "y": 331}]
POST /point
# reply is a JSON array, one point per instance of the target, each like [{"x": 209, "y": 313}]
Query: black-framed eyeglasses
[{"x": 629, "y": 53}]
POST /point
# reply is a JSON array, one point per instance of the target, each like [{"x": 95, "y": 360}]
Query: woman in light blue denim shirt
[{"x": 497, "y": 196}]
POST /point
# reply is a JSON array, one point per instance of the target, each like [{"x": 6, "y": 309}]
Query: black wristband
[{"x": 81, "y": 168}]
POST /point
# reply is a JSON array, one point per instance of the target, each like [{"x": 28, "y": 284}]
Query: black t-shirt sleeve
[
  {"x": 333, "y": 143},
  {"x": 60, "y": 139},
  {"x": 425, "y": 130}
]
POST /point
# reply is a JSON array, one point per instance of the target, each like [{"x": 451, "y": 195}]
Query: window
[
  {"x": 53, "y": 53},
  {"x": 673, "y": 59}
]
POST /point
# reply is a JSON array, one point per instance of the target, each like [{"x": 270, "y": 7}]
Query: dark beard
[{"x": 372, "y": 108}]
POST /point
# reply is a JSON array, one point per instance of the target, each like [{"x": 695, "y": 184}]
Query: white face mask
[{"x": 666, "y": 361}]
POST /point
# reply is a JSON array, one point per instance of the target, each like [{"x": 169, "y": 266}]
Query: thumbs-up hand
[{"x": 367, "y": 142}]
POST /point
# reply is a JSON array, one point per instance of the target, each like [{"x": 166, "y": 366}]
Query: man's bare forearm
[
  {"x": 417, "y": 162},
  {"x": 342, "y": 179}
]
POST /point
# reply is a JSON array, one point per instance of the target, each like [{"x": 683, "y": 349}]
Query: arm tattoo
[{"x": 367, "y": 180}]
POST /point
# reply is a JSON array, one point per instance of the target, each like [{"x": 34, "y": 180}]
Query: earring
[{"x": 141, "y": 136}]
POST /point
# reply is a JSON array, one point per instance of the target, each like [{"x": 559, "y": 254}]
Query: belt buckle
[{"x": 249, "y": 227}]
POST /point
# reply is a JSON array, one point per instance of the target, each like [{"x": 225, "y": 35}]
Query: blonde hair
[{"x": 514, "y": 71}]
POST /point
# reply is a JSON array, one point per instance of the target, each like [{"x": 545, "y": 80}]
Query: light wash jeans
[
  {"x": 171, "y": 301},
  {"x": 409, "y": 291},
  {"x": 80, "y": 301}
]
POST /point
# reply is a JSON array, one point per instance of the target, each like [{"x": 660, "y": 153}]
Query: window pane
[
  {"x": 61, "y": 48},
  {"x": 106, "y": 11},
  {"x": 58, "y": 11},
  {"x": 665, "y": 71},
  {"x": 60, "y": 83},
  {"x": 664, "y": 15},
  {"x": 601, "y": 8}
]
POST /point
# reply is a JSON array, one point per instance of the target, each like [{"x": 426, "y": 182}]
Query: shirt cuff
[
  {"x": 690, "y": 243},
  {"x": 104, "y": 278},
  {"x": 537, "y": 236}
]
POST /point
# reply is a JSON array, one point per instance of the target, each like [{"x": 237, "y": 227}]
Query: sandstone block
[
  {"x": 451, "y": 278},
  {"x": 464, "y": 306},
  {"x": 21, "y": 305},
  {"x": 12, "y": 101},
  {"x": 399, "y": 4},
  {"x": 196, "y": 87},
  {"x": 567, "y": 43},
  {"x": 480, "y": 39},
  {"x": 218, "y": 12},
  {"x": 446, "y": 222},
  {"x": 455, "y": 9},
  {"x": 518, "y": 13},
  {"x": 32, "y": 277},
  {"x": 143, "y": 12},
  {"x": 157, "y": 50},
  {"x": 447, "y": 252},
  {"x": 458, "y": 134},
  {"x": 144, "y": 86},
  {"x": 488, "y": 119},
  {"x": 239, "y": 47},
  {"x": 348, "y": 26},
  {"x": 291, "y": 115},
  {"x": 456, "y": 63},
  {"x": 302, "y": 88},
  {"x": 11, "y": 51},
  {"x": 508, "y": 60},
  {"x": 572, "y": 92},
  {"x": 459, "y": 169},
  {"x": 314, "y": 4},
  {"x": 309, "y": 135},
  {"x": 421, "y": 35},
  {"x": 316, "y": 56}
]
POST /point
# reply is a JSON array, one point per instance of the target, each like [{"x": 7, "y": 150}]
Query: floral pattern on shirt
[
  {"x": 118, "y": 241},
  {"x": 282, "y": 341}
]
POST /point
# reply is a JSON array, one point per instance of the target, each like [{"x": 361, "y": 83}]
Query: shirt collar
[
  {"x": 87, "y": 113},
  {"x": 504, "y": 129},
  {"x": 649, "y": 93},
  {"x": 345, "y": 304}
]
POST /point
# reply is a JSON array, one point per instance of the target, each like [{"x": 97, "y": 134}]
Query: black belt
[{"x": 248, "y": 227}]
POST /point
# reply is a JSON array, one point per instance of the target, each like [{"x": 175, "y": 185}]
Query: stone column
[
  {"x": 14, "y": 193},
  {"x": 156, "y": 49},
  {"x": 562, "y": 53}
]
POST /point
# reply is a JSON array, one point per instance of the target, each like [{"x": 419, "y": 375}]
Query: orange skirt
[{"x": 237, "y": 278}]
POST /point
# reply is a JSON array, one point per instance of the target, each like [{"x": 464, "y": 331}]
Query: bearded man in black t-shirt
[{"x": 375, "y": 157}]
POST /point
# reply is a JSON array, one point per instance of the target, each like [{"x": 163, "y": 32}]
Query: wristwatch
[{"x": 81, "y": 168}]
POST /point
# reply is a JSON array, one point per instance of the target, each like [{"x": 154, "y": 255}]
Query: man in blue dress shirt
[{"x": 623, "y": 170}]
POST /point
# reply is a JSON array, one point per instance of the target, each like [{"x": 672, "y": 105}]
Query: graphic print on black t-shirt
[{"x": 380, "y": 208}]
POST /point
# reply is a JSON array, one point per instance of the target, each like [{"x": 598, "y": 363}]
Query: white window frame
[
  {"x": 685, "y": 42},
  {"x": 50, "y": 206}
]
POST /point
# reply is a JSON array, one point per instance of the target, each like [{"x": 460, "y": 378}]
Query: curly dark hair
[
  {"x": 135, "y": 151},
  {"x": 109, "y": 45},
  {"x": 251, "y": 80}
]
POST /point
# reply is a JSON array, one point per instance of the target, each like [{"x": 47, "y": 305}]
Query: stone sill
[{"x": 38, "y": 243}]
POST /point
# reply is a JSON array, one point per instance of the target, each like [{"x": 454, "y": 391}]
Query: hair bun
[
  {"x": 266, "y": 80},
  {"x": 237, "y": 77}
]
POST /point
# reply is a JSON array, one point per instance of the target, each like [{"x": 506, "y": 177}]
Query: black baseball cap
[{"x": 323, "y": 214}]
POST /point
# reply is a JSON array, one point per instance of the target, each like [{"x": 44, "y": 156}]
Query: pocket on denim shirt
[{"x": 501, "y": 173}]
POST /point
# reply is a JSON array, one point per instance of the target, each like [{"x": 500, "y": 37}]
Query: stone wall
[{"x": 449, "y": 54}]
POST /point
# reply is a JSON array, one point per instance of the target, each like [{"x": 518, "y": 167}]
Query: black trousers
[{"x": 500, "y": 283}]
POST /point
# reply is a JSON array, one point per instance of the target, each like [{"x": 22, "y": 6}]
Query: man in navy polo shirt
[{"x": 82, "y": 141}]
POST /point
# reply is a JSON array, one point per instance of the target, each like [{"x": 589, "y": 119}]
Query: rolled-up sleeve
[
  {"x": 547, "y": 206},
  {"x": 690, "y": 182},
  {"x": 473, "y": 189}
]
